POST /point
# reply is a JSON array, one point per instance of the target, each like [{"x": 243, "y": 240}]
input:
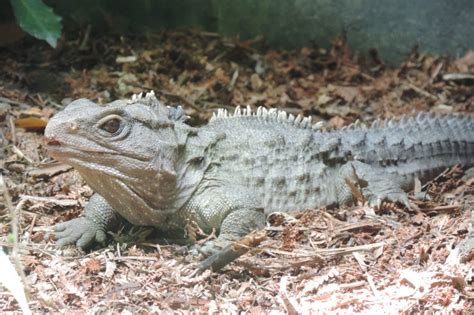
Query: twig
[
  {"x": 14, "y": 213},
  {"x": 141, "y": 258},
  {"x": 21, "y": 155},
  {"x": 370, "y": 280},
  {"x": 332, "y": 251},
  {"x": 290, "y": 304},
  {"x": 232, "y": 251},
  {"x": 83, "y": 45},
  {"x": 457, "y": 76},
  {"x": 12, "y": 102},
  {"x": 282, "y": 228},
  {"x": 12, "y": 130},
  {"x": 367, "y": 225},
  {"x": 447, "y": 207},
  {"x": 421, "y": 91},
  {"x": 435, "y": 73},
  {"x": 32, "y": 225},
  {"x": 351, "y": 285},
  {"x": 235, "y": 76}
]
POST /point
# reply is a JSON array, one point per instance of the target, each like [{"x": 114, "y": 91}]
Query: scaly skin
[{"x": 147, "y": 166}]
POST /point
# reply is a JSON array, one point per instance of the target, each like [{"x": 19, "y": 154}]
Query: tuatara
[{"x": 148, "y": 166}]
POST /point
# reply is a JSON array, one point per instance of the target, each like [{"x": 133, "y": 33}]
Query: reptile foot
[
  {"x": 80, "y": 231},
  {"x": 375, "y": 184},
  {"x": 376, "y": 200}
]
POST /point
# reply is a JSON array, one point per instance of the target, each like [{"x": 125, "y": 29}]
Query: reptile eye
[{"x": 111, "y": 125}]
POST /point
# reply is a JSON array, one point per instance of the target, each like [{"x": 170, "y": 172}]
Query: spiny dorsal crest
[
  {"x": 420, "y": 120},
  {"x": 270, "y": 115},
  {"x": 149, "y": 99}
]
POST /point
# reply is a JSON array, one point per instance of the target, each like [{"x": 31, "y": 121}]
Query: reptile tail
[{"x": 422, "y": 145}]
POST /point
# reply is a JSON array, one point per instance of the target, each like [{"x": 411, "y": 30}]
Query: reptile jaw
[{"x": 51, "y": 141}]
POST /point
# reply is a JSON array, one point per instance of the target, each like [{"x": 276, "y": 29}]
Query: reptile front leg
[
  {"x": 230, "y": 210},
  {"x": 236, "y": 225},
  {"x": 99, "y": 217}
]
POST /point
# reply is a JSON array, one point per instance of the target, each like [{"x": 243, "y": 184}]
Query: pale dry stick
[
  {"x": 132, "y": 258},
  {"x": 360, "y": 260},
  {"x": 12, "y": 102},
  {"x": 15, "y": 149},
  {"x": 85, "y": 39},
  {"x": 422, "y": 92},
  {"x": 332, "y": 251},
  {"x": 12, "y": 130},
  {"x": 351, "y": 285},
  {"x": 14, "y": 214},
  {"x": 435, "y": 73},
  {"x": 21, "y": 155},
  {"x": 447, "y": 207},
  {"x": 235, "y": 76},
  {"x": 291, "y": 305},
  {"x": 32, "y": 225},
  {"x": 457, "y": 76},
  {"x": 365, "y": 225},
  {"x": 363, "y": 266},
  {"x": 370, "y": 281}
]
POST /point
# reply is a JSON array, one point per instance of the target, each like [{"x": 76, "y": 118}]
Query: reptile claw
[{"x": 398, "y": 197}]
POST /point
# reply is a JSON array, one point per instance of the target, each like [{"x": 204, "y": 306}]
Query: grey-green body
[{"x": 228, "y": 174}]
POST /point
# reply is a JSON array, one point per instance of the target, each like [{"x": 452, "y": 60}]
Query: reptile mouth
[{"x": 52, "y": 142}]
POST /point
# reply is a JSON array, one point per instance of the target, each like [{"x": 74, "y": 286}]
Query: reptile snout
[
  {"x": 58, "y": 126},
  {"x": 52, "y": 141},
  {"x": 56, "y": 130}
]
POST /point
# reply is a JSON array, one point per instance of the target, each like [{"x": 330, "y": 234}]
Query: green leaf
[{"x": 37, "y": 19}]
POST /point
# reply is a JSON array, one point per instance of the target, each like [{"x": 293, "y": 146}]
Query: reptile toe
[
  {"x": 81, "y": 231},
  {"x": 395, "y": 197}
]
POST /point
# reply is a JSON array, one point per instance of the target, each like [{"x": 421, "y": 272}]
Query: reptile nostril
[{"x": 73, "y": 126}]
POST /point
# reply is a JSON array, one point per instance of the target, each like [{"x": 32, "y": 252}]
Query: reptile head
[
  {"x": 85, "y": 131},
  {"x": 124, "y": 147}
]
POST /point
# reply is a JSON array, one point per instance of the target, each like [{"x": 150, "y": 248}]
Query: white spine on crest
[
  {"x": 271, "y": 114},
  {"x": 249, "y": 110},
  {"x": 282, "y": 116},
  {"x": 237, "y": 111},
  {"x": 145, "y": 98},
  {"x": 291, "y": 118}
]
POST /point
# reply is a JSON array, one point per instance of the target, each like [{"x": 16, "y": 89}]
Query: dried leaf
[{"x": 31, "y": 123}]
